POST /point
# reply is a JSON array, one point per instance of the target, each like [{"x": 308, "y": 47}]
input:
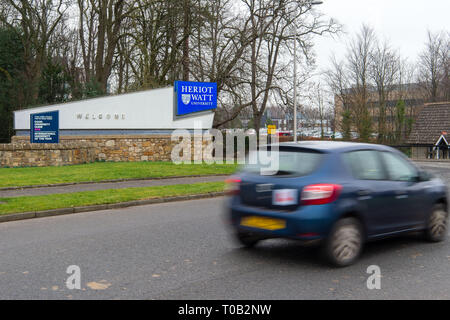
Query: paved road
[
  {"x": 105, "y": 185},
  {"x": 182, "y": 250},
  {"x": 440, "y": 169}
]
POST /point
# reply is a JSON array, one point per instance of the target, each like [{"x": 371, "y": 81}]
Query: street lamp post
[
  {"x": 313, "y": 3},
  {"x": 295, "y": 86}
]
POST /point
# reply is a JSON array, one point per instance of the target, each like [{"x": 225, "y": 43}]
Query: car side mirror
[{"x": 422, "y": 176}]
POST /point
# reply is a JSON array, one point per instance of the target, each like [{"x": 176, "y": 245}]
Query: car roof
[{"x": 334, "y": 146}]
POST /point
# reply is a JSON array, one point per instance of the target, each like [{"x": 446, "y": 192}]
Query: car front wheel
[
  {"x": 344, "y": 243},
  {"x": 437, "y": 224}
]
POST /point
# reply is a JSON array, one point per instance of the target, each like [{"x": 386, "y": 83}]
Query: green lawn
[
  {"x": 85, "y": 198},
  {"x": 98, "y": 171}
]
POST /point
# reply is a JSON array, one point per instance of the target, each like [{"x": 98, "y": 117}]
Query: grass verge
[
  {"x": 86, "y": 198},
  {"x": 100, "y": 171}
]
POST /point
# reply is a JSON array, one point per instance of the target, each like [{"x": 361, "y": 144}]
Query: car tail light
[
  {"x": 317, "y": 194},
  {"x": 232, "y": 186}
]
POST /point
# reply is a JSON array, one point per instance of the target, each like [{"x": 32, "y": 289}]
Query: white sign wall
[{"x": 152, "y": 109}]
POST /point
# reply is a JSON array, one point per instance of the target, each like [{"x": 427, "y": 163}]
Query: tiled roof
[{"x": 432, "y": 121}]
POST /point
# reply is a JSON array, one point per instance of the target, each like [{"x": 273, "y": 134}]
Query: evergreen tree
[{"x": 11, "y": 80}]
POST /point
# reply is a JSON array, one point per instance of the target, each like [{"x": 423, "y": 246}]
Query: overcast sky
[{"x": 403, "y": 22}]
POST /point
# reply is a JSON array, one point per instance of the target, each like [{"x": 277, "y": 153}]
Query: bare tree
[
  {"x": 99, "y": 28},
  {"x": 220, "y": 48},
  {"x": 359, "y": 56},
  {"x": 363, "y": 83},
  {"x": 432, "y": 62},
  {"x": 384, "y": 72},
  {"x": 445, "y": 58},
  {"x": 317, "y": 99},
  {"x": 338, "y": 82},
  {"x": 273, "y": 25}
]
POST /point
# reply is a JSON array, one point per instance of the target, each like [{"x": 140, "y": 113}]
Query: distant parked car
[
  {"x": 338, "y": 195},
  {"x": 284, "y": 133}
]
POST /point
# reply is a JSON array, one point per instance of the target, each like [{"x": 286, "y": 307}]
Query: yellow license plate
[{"x": 263, "y": 223}]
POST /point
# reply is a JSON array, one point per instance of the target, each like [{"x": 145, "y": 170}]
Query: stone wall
[
  {"x": 117, "y": 148},
  {"x": 25, "y": 154}
]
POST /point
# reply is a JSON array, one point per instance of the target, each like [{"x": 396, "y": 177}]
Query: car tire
[
  {"x": 246, "y": 239},
  {"x": 344, "y": 244},
  {"x": 437, "y": 224}
]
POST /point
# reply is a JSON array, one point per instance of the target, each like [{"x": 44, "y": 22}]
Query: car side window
[
  {"x": 365, "y": 165},
  {"x": 398, "y": 169}
]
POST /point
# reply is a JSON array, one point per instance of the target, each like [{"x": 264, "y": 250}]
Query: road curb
[
  {"x": 109, "y": 181},
  {"x": 97, "y": 207},
  {"x": 17, "y": 216}
]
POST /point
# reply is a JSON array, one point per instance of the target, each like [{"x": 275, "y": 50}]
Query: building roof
[{"x": 432, "y": 122}]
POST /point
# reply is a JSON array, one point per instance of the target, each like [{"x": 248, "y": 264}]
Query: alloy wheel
[
  {"x": 437, "y": 228},
  {"x": 346, "y": 243}
]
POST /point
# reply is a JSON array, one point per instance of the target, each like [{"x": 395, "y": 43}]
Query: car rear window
[{"x": 291, "y": 163}]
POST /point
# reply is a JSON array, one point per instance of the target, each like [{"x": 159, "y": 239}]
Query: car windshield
[{"x": 298, "y": 163}]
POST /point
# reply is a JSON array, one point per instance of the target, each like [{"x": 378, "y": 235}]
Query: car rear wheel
[
  {"x": 344, "y": 243},
  {"x": 247, "y": 239},
  {"x": 437, "y": 224}
]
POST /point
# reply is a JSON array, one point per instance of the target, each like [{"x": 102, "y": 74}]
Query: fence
[{"x": 425, "y": 151}]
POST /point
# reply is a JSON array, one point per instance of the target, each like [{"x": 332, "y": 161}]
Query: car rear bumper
[{"x": 307, "y": 223}]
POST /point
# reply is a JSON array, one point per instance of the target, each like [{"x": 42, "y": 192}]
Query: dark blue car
[{"x": 339, "y": 195}]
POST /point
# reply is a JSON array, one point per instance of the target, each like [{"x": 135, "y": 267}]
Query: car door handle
[
  {"x": 364, "y": 192},
  {"x": 401, "y": 194}
]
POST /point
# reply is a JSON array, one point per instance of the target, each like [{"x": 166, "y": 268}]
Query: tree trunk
[{"x": 186, "y": 34}]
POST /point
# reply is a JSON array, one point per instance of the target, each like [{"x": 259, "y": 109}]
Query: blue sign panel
[
  {"x": 195, "y": 96},
  {"x": 44, "y": 127}
]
